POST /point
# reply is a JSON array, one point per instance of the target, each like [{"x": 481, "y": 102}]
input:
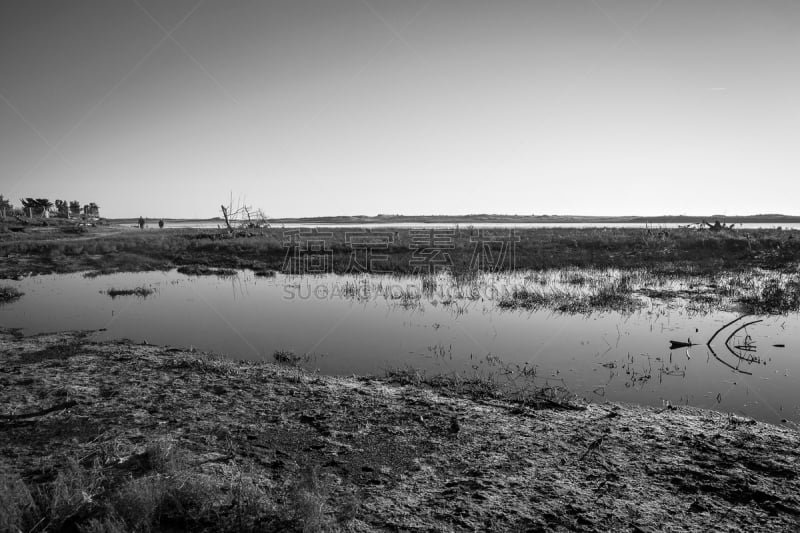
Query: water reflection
[{"x": 367, "y": 324}]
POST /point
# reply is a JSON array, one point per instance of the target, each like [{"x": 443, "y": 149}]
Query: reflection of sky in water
[{"x": 602, "y": 356}]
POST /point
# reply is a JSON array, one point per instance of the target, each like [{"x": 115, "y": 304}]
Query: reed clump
[
  {"x": 203, "y": 270},
  {"x": 9, "y": 294},
  {"x": 776, "y": 296},
  {"x": 608, "y": 292},
  {"x": 141, "y": 292},
  {"x": 287, "y": 357}
]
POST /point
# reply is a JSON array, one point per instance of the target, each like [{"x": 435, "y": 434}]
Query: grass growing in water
[
  {"x": 777, "y": 296},
  {"x": 202, "y": 270},
  {"x": 141, "y": 292},
  {"x": 9, "y": 294},
  {"x": 608, "y": 292}
]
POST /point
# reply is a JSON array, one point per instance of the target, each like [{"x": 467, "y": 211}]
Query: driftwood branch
[
  {"x": 225, "y": 214},
  {"x": 727, "y": 345},
  {"x": 739, "y": 329},
  {"x": 59, "y": 407},
  {"x": 711, "y": 349},
  {"x": 723, "y": 327}
]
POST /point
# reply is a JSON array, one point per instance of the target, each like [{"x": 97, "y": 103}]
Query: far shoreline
[{"x": 496, "y": 219}]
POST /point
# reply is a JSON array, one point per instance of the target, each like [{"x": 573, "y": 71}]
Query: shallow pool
[{"x": 367, "y": 324}]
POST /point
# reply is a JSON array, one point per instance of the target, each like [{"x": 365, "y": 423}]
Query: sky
[{"x": 345, "y": 107}]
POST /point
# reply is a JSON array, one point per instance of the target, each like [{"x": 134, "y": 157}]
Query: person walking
[
  {"x": 141, "y": 223},
  {"x": 161, "y": 223}
]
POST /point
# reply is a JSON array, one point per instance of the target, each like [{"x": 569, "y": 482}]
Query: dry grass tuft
[
  {"x": 308, "y": 502},
  {"x": 18, "y": 509},
  {"x": 139, "y": 502}
]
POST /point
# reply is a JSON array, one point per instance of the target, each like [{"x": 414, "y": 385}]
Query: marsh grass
[
  {"x": 776, "y": 295},
  {"x": 107, "y": 263},
  {"x": 408, "y": 297},
  {"x": 616, "y": 295},
  {"x": 429, "y": 285},
  {"x": 140, "y": 502},
  {"x": 251, "y": 505},
  {"x": 180, "y": 497},
  {"x": 580, "y": 291},
  {"x": 572, "y": 270},
  {"x": 751, "y": 290},
  {"x": 73, "y": 489},
  {"x": 161, "y": 488},
  {"x": 204, "y": 363},
  {"x": 356, "y": 289},
  {"x": 202, "y": 270},
  {"x": 49, "y": 506},
  {"x": 164, "y": 456},
  {"x": 498, "y": 380},
  {"x": 19, "y": 510},
  {"x": 537, "y": 249},
  {"x": 307, "y": 500},
  {"x": 109, "y": 524},
  {"x": 287, "y": 357},
  {"x": 575, "y": 292},
  {"x": 9, "y": 294},
  {"x": 141, "y": 292}
]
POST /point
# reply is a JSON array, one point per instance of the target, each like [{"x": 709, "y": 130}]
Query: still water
[{"x": 368, "y": 324}]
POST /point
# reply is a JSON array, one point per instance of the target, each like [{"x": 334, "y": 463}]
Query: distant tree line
[{"x": 43, "y": 207}]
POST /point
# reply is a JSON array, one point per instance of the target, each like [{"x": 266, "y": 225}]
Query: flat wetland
[
  {"x": 679, "y": 251},
  {"x": 106, "y": 434}
]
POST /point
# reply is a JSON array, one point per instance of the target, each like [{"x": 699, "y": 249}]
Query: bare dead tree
[{"x": 243, "y": 216}]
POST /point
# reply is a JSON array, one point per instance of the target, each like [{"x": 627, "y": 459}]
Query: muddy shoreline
[{"x": 312, "y": 452}]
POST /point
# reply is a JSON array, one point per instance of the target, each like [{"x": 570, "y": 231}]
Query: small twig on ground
[
  {"x": 59, "y": 407},
  {"x": 593, "y": 446},
  {"x": 215, "y": 460}
]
